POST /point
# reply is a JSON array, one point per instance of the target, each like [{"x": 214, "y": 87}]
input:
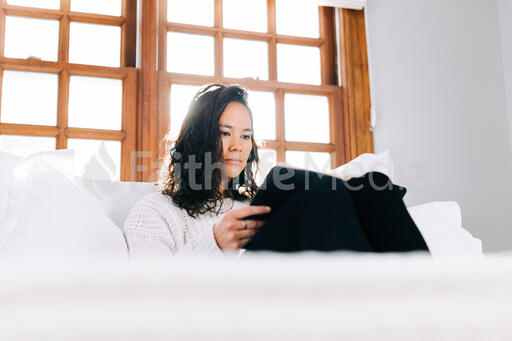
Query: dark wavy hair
[{"x": 199, "y": 140}]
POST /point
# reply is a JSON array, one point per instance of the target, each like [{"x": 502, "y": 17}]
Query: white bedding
[
  {"x": 266, "y": 297},
  {"x": 340, "y": 296},
  {"x": 52, "y": 214}
]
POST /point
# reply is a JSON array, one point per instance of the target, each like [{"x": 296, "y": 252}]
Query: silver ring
[{"x": 245, "y": 224}]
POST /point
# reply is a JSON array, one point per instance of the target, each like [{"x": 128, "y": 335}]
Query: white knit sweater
[{"x": 156, "y": 227}]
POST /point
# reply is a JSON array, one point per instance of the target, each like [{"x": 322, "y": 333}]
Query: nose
[
  {"x": 235, "y": 144},
  {"x": 235, "y": 147}
]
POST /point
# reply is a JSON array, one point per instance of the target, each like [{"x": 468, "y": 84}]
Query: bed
[
  {"x": 65, "y": 275},
  {"x": 266, "y": 297}
]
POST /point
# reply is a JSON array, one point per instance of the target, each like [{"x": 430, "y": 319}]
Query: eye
[
  {"x": 224, "y": 133},
  {"x": 246, "y": 137}
]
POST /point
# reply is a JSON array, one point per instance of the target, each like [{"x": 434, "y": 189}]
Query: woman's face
[{"x": 236, "y": 132}]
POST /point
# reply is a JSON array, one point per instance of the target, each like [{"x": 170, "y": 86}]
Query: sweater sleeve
[
  {"x": 153, "y": 229},
  {"x": 146, "y": 234}
]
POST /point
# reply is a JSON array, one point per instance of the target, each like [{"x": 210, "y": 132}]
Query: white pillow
[
  {"x": 47, "y": 216},
  {"x": 440, "y": 225},
  {"x": 365, "y": 163},
  {"x": 114, "y": 198},
  {"x": 62, "y": 160},
  {"x": 7, "y": 163}
]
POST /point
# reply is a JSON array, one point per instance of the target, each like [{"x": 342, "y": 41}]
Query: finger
[
  {"x": 258, "y": 223},
  {"x": 243, "y": 234},
  {"x": 244, "y": 241},
  {"x": 251, "y": 224},
  {"x": 249, "y": 210}
]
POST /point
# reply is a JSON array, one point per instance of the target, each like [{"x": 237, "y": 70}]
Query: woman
[{"x": 203, "y": 207}]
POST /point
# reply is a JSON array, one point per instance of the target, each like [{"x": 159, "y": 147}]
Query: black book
[
  {"x": 279, "y": 185},
  {"x": 282, "y": 182}
]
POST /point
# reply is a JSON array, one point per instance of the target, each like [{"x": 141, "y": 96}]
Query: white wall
[
  {"x": 505, "y": 13},
  {"x": 441, "y": 108}
]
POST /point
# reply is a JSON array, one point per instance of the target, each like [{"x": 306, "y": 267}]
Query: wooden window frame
[
  {"x": 154, "y": 33},
  {"x": 356, "y": 83},
  {"x": 126, "y": 72},
  {"x": 146, "y": 83}
]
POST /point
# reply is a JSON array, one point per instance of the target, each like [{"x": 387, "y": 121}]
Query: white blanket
[{"x": 309, "y": 296}]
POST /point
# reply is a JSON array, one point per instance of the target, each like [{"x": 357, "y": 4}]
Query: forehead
[{"x": 236, "y": 114}]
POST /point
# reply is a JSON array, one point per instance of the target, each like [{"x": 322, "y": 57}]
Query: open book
[
  {"x": 280, "y": 183},
  {"x": 283, "y": 180}
]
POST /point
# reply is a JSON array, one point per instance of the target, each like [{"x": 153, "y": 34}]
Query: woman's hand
[{"x": 230, "y": 233}]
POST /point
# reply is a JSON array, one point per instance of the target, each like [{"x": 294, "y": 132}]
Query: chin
[{"x": 234, "y": 173}]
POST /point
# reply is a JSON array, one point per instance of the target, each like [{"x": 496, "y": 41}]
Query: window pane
[
  {"x": 95, "y": 44},
  {"x": 95, "y": 102},
  {"x": 263, "y": 107},
  {"x": 27, "y": 37},
  {"x": 26, "y": 145},
  {"x": 245, "y": 58},
  {"x": 291, "y": 62},
  {"x": 247, "y": 15},
  {"x": 297, "y": 18},
  {"x": 190, "y": 53},
  {"x": 181, "y": 96},
  {"x": 306, "y": 118},
  {"x": 197, "y": 12},
  {"x": 110, "y": 7},
  {"x": 97, "y": 159},
  {"x": 268, "y": 159},
  {"x": 50, "y": 4},
  {"x": 315, "y": 161},
  {"x": 29, "y": 98}
]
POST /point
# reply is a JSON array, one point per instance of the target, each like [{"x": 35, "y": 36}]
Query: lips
[{"x": 234, "y": 161}]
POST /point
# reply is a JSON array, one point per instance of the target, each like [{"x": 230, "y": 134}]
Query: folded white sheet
[{"x": 310, "y": 296}]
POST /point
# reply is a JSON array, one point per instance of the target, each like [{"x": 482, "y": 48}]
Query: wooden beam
[
  {"x": 147, "y": 144},
  {"x": 97, "y": 134},
  {"x": 56, "y": 67},
  {"x": 309, "y": 146},
  {"x": 280, "y": 125},
  {"x": 255, "y": 84},
  {"x": 64, "y": 34},
  {"x": 356, "y": 83},
  {"x": 272, "y": 45},
  {"x": 189, "y": 28},
  {"x": 62, "y": 109},
  {"x": 30, "y": 65},
  {"x": 315, "y": 42},
  {"x": 129, "y": 37},
  {"x": 328, "y": 48},
  {"x": 162, "y": 36},
  {"x": 239, "y": 34},
  {"x": 2, "y": 33},
  {"x": 97, "y": 71},
  {"x": 268, "y": 144},
  {"x": 99, "y": 19},
  {"x": 28, "y": 130},
  {"x": 163, "y": 119},
  {"x": 337, "y": 132},
  {"x": 39, "y": 13},
  {"x": 219, "y": 40},
  {"x": 129, "y": 127},
  {"x": 1, "y": 91}
]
